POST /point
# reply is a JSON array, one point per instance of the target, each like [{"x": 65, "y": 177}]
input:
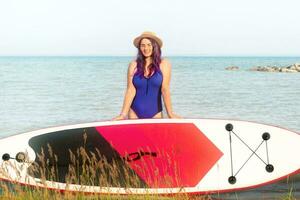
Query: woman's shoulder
[
  {"x": 165, "y": 61},
  {"x": 132, "y": 64},
  {"x": 132, "y": 67},
  {"x": 165, "y": 64}
]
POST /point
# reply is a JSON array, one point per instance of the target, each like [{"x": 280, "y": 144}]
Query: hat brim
[{"x": 137, "y": 40}]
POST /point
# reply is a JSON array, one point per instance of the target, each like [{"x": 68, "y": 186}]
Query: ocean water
[{"x": 40, "y": 92}]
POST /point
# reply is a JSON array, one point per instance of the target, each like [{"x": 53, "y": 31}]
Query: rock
[
  {"x": 289, "y": 69},
  {"x": 263, "y": 69},
  {"x": 296, "y": 66},
  {"x": 232, "y": 68},
  {"x": 276, "y": 69},
  {"x": 292, "y": 67}
]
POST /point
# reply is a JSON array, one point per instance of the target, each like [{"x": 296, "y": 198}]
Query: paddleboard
[{"x": 157, "y": 156}]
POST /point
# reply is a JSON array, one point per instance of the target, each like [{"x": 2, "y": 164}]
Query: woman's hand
[
  {"x": 119, "y": 117},
  {"x": 174, "y": 116}
]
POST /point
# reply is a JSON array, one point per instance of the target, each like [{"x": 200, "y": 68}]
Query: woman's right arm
[{"x": 130, "y": 92}]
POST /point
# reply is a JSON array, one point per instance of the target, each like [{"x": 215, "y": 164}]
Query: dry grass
[{"x": 85, "y": 168}]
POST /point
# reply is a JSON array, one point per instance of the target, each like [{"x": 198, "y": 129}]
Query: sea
[{"x": 45, "y": 91}]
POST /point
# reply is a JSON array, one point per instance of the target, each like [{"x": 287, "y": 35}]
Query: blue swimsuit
[{"x": 147, "y": 101}]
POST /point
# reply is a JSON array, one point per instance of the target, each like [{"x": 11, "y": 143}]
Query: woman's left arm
[{"x": 165, "y": 68}]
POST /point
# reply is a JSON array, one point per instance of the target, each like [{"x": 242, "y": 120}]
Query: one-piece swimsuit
[{"x": 147, "y": 101}]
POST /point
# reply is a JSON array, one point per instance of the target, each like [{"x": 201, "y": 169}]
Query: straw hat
[{"x": 147, "y": 34}]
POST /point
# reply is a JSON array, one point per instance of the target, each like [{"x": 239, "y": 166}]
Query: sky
[{"x": 187, "y": 27}]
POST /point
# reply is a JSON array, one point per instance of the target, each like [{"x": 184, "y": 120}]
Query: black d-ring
[
  {"x": 229, "y": 127},
  {"x": 5, "y": 157},
  {"x": 269, "y": 168},
  {"x": 20, "y": 157},
  {"x": 232, "y": 180},
  {"x": 266, "y": 136}
]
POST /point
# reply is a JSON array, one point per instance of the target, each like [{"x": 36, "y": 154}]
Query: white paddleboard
[{"x": 163, "y": 156}]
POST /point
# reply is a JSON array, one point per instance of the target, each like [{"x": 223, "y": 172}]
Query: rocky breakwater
[
  {"x": 290, "y": 69},
  {"x": 232, "y": 68}
]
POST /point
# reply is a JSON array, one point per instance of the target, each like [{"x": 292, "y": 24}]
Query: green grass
[
  {"x": 23, "y": 193},
  {"x": 290, "y": 194}
]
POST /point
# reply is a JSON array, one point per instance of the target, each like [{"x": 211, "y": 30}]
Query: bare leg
[
  {"x": 158, "y": 115},
  {"x": 132, "y": 115}
]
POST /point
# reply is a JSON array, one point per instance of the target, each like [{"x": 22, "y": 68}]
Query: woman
[{"x": 148, "y": 79}]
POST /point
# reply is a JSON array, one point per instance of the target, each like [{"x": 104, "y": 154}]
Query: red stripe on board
[{"x": 175, "y": 155}]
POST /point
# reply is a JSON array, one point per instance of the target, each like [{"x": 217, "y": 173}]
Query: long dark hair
[{"x": 156, "y": 59}]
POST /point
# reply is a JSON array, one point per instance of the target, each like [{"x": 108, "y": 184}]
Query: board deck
[{"x": 161, "y": 156}]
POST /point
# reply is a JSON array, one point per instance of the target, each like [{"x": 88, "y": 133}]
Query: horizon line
[{"x": 171, "y": 55}]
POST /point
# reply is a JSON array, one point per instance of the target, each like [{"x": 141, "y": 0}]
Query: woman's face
[{"x": 146, "y": 47}]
